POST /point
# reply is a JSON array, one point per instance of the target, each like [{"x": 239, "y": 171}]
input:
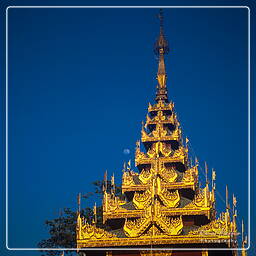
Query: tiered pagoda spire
[
  {"x": 162, "y": 204},
  {"x": 161, "y": 48}
]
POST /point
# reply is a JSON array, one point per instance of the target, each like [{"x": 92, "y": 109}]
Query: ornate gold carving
[
  {"x": 157, "y": 148},
  {"x": 134, "y": 228},
  {"x": 153, "y": 214},
  {"x": 145, "y": 176},
  {"x": 89, "y": 231},
  {"x": 139, "y": 155},
  {"x": 190, "y": 175},
  {"x": 159, "y": 131},
  {"x": 127, "y": 178},
  {"x": 169, "y": 175},
  {"x": 219, "y": 226},
  {"x": 176, "y": 134},
  {"x": 142, "y": 200},
  {"x": 170, "y": 199},
  {"x": 111, "y": 203},
  {"x": 160, "y": 106},
  {"x": 181, "y": 152},
  {"x": 171, "y": 226},
  {"x": 200, "y": 200}
]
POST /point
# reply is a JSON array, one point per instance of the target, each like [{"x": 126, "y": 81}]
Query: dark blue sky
[{"x": 79, "y": 84}]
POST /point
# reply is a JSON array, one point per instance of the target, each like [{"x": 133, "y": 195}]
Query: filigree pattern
[
  {"x": 201, "y": 200},
  {"x": 89, "y": 231},
  {"x": 159, "y": 131},
  {"x": 111, "y": 203},
  {"x": 145, "y": 176},
  {"x": 134, "y": 228},
  {"x": 220, "y": 226},
  {"x": 127, "y": 178},
  {"x": 169, "y": 175},
  {"x": 159, "y": 147},
  {"x": 190, "y": 175},
  {"x": 170, "y": 199},
  {"x": 171, "y": 226},
  {"x": 142, "y": 200},
  {"x": 160, "y": 106}
]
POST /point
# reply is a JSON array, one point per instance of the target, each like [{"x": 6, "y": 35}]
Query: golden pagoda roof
[{"x": 162, "y": 202}]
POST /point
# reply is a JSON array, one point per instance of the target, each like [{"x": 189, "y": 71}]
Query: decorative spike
[
  {"x": 113, "y": 180},
  {"x": 196, "y": 161},
  {"x": 124, "y": 167},
  {"x": 227, "y": 204},
  {"x": 234, "y": 203},
  {"x": 137, "y": 144},
  {"x": 79, "y": 202},
  {"x": 113, "y": 184},
  {"x": 242, "y": 230},
  {"x": 206, "y": 174},
  {"x": 95, "y": 213},
  {"x": 129, "y": 165},
  {"x": 191, "y": 162},
  {"x": 213, "y": 178},
  {"x": 106, "y": 180}
]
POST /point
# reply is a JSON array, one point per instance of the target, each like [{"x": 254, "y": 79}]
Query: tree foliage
[{"x": 62, "y": 230}]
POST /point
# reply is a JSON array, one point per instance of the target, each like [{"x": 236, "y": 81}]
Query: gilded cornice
[
  {"x": 218, "y": 227},
  {"x": 153, "y": 215},
  {"x": 86, "y": 231},
  {"x": 160, "y": 106},
  {"x": 160, "y": 134},
  {"x": 122, "y": 213},
  {"x": 161, "y": 118},
  {"x": 162, "y": 151},
  {"x": 157, "y": 240}
]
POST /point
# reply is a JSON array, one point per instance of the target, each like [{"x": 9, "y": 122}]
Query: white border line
[{"x": 249, "y": 132}]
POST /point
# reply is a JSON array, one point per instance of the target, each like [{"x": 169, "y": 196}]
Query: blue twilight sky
[{"x": 79, "y": 84}]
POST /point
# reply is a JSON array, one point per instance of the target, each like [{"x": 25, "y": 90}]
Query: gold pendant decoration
[
  {"x": 142, "y": 200},
  {"x": 169, "y": 175},
  {"x": 134, "y": 228},
  {"x": 145, "y": 176},
  {"x": 219, "y": 226},
  {"x": 190, "y": 175},
  {"x": 170, "y": 199},
  {"x": 89, "y": 231}
]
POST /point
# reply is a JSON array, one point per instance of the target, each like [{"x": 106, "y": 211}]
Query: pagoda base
[{"x": 157, "y": 253}]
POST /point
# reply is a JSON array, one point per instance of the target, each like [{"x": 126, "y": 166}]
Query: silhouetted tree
[{"x": 62, "y": 230}]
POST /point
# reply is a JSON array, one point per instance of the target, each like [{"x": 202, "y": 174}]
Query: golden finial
[{"x": 161, "y": 47}]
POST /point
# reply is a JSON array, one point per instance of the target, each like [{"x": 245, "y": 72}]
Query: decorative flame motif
[{"x": 142, "y": 200}]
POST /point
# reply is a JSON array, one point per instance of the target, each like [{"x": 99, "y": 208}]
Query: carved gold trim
[
  {"x": 160, "y": 106},
  {"x": 155, "y": 253}
]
